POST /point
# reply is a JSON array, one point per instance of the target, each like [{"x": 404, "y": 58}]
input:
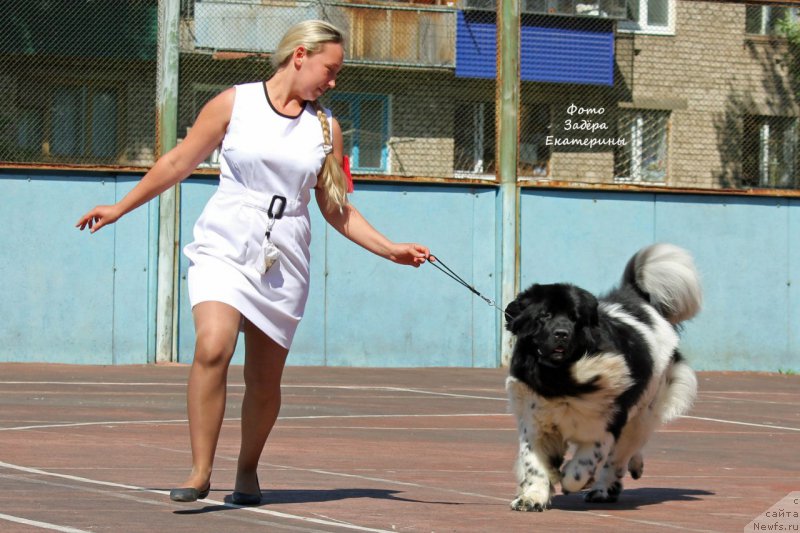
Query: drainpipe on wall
[
  {"x": 508, "y": 89},
  {"x": 166, "y": 139}
]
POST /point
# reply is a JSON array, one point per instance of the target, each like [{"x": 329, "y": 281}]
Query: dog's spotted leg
[
  {"x": 636, "y": 465},
  {"x": 581, "y": 469},
  {"x": 627, "y": 456},
  {"x": 536, "y": 477},
  {"x": 608, "y": 486}
]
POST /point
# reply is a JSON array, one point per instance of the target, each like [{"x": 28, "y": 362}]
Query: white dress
[{"x": 263, "y": 153}]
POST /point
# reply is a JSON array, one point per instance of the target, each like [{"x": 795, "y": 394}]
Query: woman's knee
[
  {"x": 213, "y": 349},
  {"x": 217, "y": 330}
]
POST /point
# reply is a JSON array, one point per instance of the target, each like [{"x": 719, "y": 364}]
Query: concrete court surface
[{"x": 90, "y": 448}]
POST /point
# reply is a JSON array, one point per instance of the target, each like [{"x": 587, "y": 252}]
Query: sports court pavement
[{"x": 89, "y": 448}]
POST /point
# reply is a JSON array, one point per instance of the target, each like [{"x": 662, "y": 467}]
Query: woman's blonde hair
[{"x": 312, "y": 35}]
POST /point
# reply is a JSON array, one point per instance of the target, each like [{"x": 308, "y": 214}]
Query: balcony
[{"x": 382, "y": 33}]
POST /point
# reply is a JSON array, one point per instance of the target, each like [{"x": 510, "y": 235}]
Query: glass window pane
[
  {"x": 633, "y": 10},
  {"x": 104, "y": 124},
  {"x": 654, "y": 147},
  {"x": 657, "y": 12},
  {"x": 341, "y": 110},
  {"x": 644, "y": 155},
  {"x": 465, "y": 137},
  {"x": 534, "y": 154},
  {"x": 752, "y": 21},
  {"x": 776, "y": 14},
  {"x": 67, "y": 119},
  {"x": 370, "y": 134},
  {"x": 30, "y": 129}
]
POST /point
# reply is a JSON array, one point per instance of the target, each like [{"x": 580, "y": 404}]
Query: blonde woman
[{"x": 277, "y": 144}]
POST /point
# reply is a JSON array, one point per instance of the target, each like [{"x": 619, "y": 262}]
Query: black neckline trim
[{"x": 266, "y": 94}]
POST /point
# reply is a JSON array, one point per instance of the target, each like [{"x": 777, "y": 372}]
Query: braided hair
[{"x": 332, "y": 178}]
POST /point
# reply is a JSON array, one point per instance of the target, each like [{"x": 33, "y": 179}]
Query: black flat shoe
[
  {"x": 189, "y": 494},
  {"x": 242, "y": 498}
]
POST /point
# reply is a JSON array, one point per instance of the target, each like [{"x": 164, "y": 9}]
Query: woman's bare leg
[
  {"x": 217, "y": 328},
  {"x": 263, "y": 369}
]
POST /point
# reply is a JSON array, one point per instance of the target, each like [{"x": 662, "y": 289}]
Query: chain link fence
[
  {"x": 672, "y": 93},
  {"x": 77, "y": 82}
]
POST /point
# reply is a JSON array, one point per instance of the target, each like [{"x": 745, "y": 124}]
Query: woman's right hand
[{"x": 99, "y": 216}]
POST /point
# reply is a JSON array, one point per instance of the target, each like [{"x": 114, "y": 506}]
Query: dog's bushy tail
[
  {"x": 667, "y": 277},
  {"x": 679, "y": 392}
]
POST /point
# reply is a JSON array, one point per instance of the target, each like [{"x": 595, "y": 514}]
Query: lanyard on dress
[{"x": 274, "y": 213}]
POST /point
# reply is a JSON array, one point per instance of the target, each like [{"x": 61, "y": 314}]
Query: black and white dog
[{"x": 598, "y": 375}]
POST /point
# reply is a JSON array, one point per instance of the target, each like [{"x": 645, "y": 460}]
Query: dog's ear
[{"x": 515, "y": 310}]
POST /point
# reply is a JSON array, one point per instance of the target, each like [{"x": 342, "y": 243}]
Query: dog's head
[{"x": 553, "y": 323}]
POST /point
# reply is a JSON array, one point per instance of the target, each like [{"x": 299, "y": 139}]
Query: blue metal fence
[{"x": 74, "y": 298}]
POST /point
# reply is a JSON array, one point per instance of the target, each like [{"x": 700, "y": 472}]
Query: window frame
[
  {"x": 763, "y": 125},
  {"x": 635, "y": 140},
  {"x": 354, "y": 100},
  {"x": 642, "y": 27},
  {"x": 764, "y": 32},
  {"x": 198, "y": 89},
  {"x": 478, "y": 121},
  {"x": 91, "y": 87}
]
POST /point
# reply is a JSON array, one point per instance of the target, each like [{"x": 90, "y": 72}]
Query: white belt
[{"x": 261, "y": 201}]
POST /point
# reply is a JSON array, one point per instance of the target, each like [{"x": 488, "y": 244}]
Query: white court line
[
  {"x": 101, "y": 383},
  {"x": 183, "y": 420},
  {"x": 42, "y": 525},
  {"x": 747, "y": 392},
  {"x": 345, "y": 417},
  {"x": 766, "y": 426},
  {"x": 340, "y": 387},
  {"x": 101, "y": 423},
  {"x": 258, "y": 510}
]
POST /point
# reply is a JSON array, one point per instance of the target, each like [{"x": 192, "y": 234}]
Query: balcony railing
[{"x": 385, "y": 33}]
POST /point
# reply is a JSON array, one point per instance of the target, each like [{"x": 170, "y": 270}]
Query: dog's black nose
[{"x": 561, "y": 334}]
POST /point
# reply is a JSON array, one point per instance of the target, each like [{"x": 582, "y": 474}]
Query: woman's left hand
[{"x": 411, "y": 254}]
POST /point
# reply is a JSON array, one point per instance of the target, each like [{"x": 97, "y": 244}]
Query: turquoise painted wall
[
  {"x": 74, "y": 298},
  {"x": 746, "y": 249},
  {"x": 71, "y": 297},
  {"x": 366, "y": 311}
]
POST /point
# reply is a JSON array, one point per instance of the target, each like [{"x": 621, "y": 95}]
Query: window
[
  {"x": 770, "y": 152},
  {"x": 201, "y": 94},
  {"x": 650, "y": 16},
  {"x": 83, "y": 123},
  {"x": 644, "y": 155},
  {"x": 766, "y": 20},
  {"x": 30, "y": 128},
  {"x": 534, "y": 153},
  {"x": 364, "y": 119},
  {"x": 474, "y": 138},
  {"x": 595, "y": 8}
]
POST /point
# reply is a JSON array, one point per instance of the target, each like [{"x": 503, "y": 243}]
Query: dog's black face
[{"x": 553, "y": 324}]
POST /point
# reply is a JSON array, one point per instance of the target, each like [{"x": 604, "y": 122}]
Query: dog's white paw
[
  {"x": 604, "y": 495},
  {"x": 530, "y": 504}
]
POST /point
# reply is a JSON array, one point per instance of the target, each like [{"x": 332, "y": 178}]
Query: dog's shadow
[
  {"x": 630, "y": 499},
  {"x": 276, "y": 497}
]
